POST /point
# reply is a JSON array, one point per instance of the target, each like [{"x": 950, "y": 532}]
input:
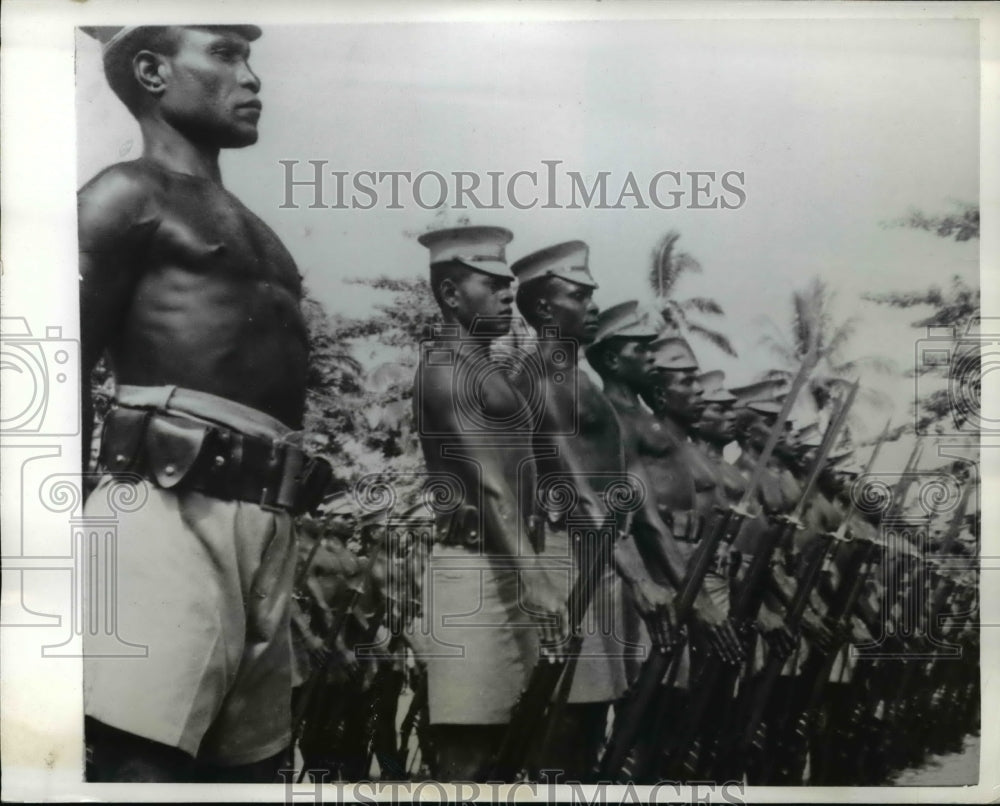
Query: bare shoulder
[
  {"x": 433, "y": 382},
  {"x": 119, "y": 197},
  {"x": 124, "y": 183}
]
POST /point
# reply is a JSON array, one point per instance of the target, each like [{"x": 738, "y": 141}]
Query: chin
[{"x": 239, "y": 138}]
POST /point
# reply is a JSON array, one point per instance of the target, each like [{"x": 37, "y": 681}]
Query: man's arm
[
  {"x": 496, "y": 498},
  {"x": 112, "y": 233}
]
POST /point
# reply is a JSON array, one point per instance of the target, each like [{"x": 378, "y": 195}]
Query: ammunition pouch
[
  {"x": 683, "y": 523},
  {"x": 176, "y": 452}
]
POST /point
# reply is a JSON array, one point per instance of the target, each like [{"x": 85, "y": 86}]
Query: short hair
[
  {"x": 161, "y": 39},
  {"x": 529, "y": 295},
  {"x": 446, "y": 270}
]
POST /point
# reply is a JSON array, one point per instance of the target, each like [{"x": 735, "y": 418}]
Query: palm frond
[
  {"x": 705, "y": 305},
  {"x": 664, "y": 270},
  {"x": 714, "y": 337}
]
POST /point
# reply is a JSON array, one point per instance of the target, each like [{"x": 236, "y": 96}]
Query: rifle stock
[
  {"x": 533, "y": 706},
  {"x": 642, "y": 693},
  {"x": 712, "y": 752}
]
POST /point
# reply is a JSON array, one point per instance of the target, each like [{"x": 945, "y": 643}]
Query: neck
[
  {"x": 712, "y": 448},
  {"x": 471, "y": 346},
  {"x": 621, "y": 393},
  {"x": 673, "y": 425},
  {"x": 167, "y": 147}
]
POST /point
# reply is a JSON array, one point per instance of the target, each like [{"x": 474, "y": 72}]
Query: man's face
[
  {"x": 676, "y": 393},
  {"x": 634, "y": 363},
  {"x": 788, "y": 446},
  {"x": 572, "y": 310},
  {"x": 210, "y": 91},
  {"x": 759, "y": 431},
  {"x": 717, "y": 423},
  {"x": 483, "y": 297}
]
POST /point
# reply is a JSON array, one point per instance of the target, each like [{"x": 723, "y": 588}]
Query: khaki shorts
[
  {"x": 206, "y": 585},
  {"x": 599, "y": 672},
  {"x": 478, "y": 642}
]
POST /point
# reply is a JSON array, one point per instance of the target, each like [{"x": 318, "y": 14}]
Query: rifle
[
  {"x": 629, "y": 719},
  {"x": 642, "y": 693},
  {"x": 845, "y": 605},
  {"x": 951, "y": 536},
  {"x": 533, "y": 706},
  {"x": 312, "y": 688},
  {"x": 751, "y": 739},
  {"x": 713, "y": 755},
  {"x": 704, "y": 756}
]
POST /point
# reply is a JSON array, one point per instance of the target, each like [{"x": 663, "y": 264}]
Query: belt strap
[
  {"x": 215, "y": 409},
  {"x": 177, "y": 452}
]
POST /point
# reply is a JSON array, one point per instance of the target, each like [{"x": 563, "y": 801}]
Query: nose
[
  {"x": 592, "y": 308},
  {"x": 249, "y": 79},
  {"x": 507, "y": 295}
]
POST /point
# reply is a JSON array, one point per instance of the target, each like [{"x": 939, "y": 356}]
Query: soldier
[
  {"x": 620, "y": 353},
  {"x": 683, "y": 477},
  {"x": 196, "y": 303},
  {"x": 714, "y": 430},
  {"x": 472, "y": 427},
  {"x": 578, "y": 440}
]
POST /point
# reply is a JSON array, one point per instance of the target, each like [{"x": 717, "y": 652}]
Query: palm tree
[
  {"x": 813, "y": 326},
  {"x": 668, "y": 264}
]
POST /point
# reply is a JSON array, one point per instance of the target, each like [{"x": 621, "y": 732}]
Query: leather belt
[
  {"x": 683, "y": 523},
  {"x": 183, "y": 453}
]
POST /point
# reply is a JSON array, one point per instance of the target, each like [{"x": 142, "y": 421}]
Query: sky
[{"x": 837, "y": 127}]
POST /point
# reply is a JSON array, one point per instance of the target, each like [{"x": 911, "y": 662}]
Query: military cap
[
  {"x": 754, "y": 392},
  {"x": 835, "y": 458},
  {"x": 671, "y": 351},
  {"x": 114, "y": 38},
  {"x": 770, "y": 408},
  {"x": 568, "y": 261},
  {"x": 714, "y": 384},
  {"x": 627, "y": 320},
  {"x": 852, "y": 468},
  {"x": 809, "y": 435},
  {"x": 478, "y": 248}
]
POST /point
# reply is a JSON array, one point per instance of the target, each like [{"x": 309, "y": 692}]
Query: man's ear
[
  {"x": 150, "y": 70},
  {"x": 543, "y": 311},
  {"x": 448, "y": 290}
]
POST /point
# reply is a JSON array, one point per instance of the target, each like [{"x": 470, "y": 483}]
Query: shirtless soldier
[
  {"x": 195, "y": 302},
  {"x": 486, "y": 599},
  {"x": 579, "y": 440},
  {"x": 625, "y": 363}
]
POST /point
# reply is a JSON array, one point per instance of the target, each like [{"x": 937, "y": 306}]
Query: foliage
[
  {"x": 813, "y": 325},
  {"x": 962, "y": 224},
  {"x": 668, "y": 265},
  {"x": 956, "y": 306}
]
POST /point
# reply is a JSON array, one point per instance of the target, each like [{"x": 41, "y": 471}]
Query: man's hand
[
  {"x": 655, "y": 605},
  {"x": 542, "y": 599},
  {"x": 722, "y": 635},
  {"x": 779, "y": 638},
  {"x": 818, "y": 633}
]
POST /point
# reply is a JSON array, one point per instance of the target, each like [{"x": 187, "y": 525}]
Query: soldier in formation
[
  {"x": 806, "y": 649},
  {"x": 651, "y": 576}
]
